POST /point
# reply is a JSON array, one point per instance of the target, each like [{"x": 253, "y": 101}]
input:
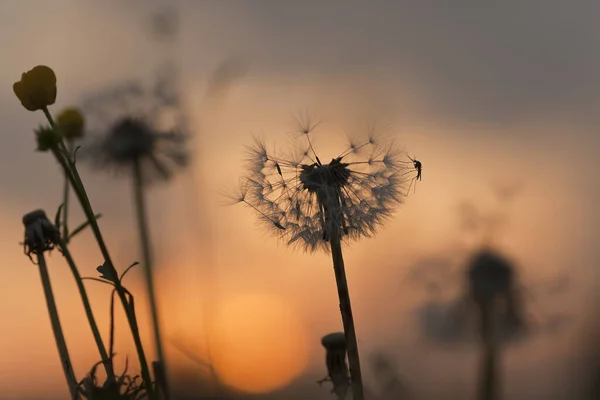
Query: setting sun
[{"x": 260, "y": 343}]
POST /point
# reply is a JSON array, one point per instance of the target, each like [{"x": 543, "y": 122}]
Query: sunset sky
[{"x": 483, "y": 95}]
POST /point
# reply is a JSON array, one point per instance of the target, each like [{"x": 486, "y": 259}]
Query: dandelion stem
[
  {"x": 347, "y": 318},
  {"x": 57, "y": 329},
  {"x": 106, "y": 360},
  {"x": 71, "y": 172},
  {"x": 488, "y": 385},
  {"x": 142, "y": 220}
]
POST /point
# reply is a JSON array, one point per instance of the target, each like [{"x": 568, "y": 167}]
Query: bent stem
[
  {"x": 488, "y": 381},
  {"x": 59, "y": 337},
  {"x": 106, "y": 360},
  {"x": 142, "y": 220},
  {"x": 71, "y": 172},
  {"x": 347, "y": 318}
]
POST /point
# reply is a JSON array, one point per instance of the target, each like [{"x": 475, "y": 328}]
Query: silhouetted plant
[
  {"x": 37, "y": 90},
  {"x": 41, "y": 236},
  {"x": 125, "y": 387},
  {"x": 316, "y": 206},
  {"x": 335, "y": 362}
]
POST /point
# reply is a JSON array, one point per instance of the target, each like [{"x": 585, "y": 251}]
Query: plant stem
[
  {"x": 142, "y": 220},
  {"x": 347, "y": 318},
  {"x": 71, "y": 172},
  {"x": 106, "y": 360},
  {"x": 488, "y": 389},
  {"x": 65, "y": 210},
  {"x": 57, "y": 329}
]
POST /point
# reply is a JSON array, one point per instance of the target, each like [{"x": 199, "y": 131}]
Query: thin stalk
[
  {"x": 71, "y": 172},
  {"x": 65, "y": 209},
  {"x": 488, "y": 381},
  {"x": 106, "y": 360},
  {"x": 57, "y": 329},
  {"x": 347, "y": 318},
  {"x": 142, "y": 220}
]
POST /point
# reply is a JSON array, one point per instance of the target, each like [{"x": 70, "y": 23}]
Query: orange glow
[{"x": 260, "y": 343}]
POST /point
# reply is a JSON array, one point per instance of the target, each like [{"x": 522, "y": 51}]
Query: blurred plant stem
[
  {"x": 106, "y": 359},
  {"x": 488, "y": 380},
  {"x": 65, "y": 210},
  {"x": 57, "y": 329},
  {"x": 347, "y": 318},
  {"x": 68, "y": 165},
  {"x": 142, "y": 220}
]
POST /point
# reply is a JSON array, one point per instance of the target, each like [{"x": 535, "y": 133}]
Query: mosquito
[{"x": 418, "y": 167}]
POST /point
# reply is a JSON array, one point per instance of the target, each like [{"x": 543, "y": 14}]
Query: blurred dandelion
[
  {"x": 316, "y": 206},
  {"x": 143, "y": 134},
  {"x": 137, "y": 128},
  {"x": 493, "y": 289}
]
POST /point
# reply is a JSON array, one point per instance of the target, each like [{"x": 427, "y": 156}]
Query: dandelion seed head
[{"x": 303, "y": 201}]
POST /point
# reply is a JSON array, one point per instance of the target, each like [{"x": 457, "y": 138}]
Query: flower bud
[
  {"x": 37, "y": 88},
  {"x": 71, "y": 123}
]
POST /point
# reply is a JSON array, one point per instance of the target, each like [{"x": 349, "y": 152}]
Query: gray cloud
[{"x": 492, "y": 63}]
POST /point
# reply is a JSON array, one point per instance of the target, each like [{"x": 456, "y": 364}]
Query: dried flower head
[
  {"x": 40, "y": 234},
  {"x": 137, "y": 126},
  {"x": 335, "y": 361},
  {"x": 304, "y": 200},
  {"x": 37, "y": 88}
]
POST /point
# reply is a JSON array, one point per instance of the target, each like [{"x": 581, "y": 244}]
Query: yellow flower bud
[
  {"x": 71, "y": 123},
  {"x": 37, "y": 88}
]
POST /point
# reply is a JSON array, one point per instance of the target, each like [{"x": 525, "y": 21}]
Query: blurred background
[{"x": 499, "y": 102}]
